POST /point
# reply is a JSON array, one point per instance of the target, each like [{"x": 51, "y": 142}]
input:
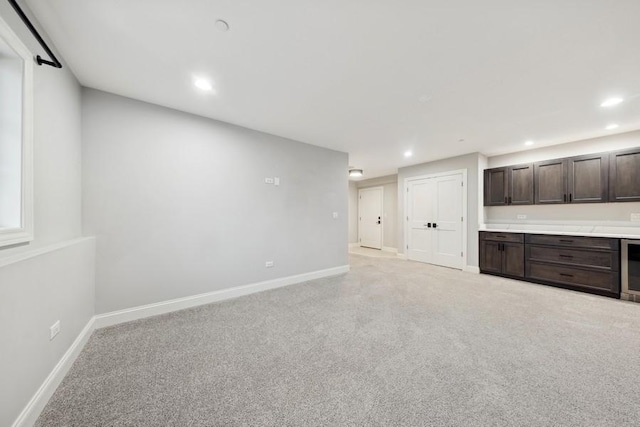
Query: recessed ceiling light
[
  {"x": 408, "y": 154},
  {"x": 203, "y": 84},
  {"x": 611, "y": 102},
  {"x": 612, "y": 126},
  {"x": 355, "y": 172},
  {"x": 529, "y": 143},
  {"x": 222, "y": 25}
]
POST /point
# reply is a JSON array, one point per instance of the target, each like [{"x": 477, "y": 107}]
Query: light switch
[
  {"x": 276, "y": 181},
  {"x": 335, "y": 215}
]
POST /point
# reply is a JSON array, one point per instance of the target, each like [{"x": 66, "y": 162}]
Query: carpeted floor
[{"x": 390, "y": 343}]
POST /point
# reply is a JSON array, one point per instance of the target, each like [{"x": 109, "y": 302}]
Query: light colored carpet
[{"x": 390, "y": 343}]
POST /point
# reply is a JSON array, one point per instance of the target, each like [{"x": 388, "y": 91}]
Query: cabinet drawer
[
  {"x": 502, "y": 237},
  {"x": 588, "y": 258},
  {"x": 573, "y": 241},
  {"x": 573, "y": 276}
]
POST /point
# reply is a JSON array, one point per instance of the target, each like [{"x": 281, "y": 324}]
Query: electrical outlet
[
  {"x": 635, "y": 217},
  {"x": 268, "y": 264},
  {"x": 335, "y": 215},
  {"x": 522, "y": 216},
  {"x": 268, "y": 180},
  {"x": 276, "y": 181},
  {"x": 54, "y": 330}
]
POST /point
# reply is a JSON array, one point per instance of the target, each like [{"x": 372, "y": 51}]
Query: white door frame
[
  {"x": 381, "y": 213},
  {"x": 464, "y": 209}
]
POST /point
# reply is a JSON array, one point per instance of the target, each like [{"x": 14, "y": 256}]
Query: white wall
[
  {"x": 596, "y": 213},
  {"x": 180, "y": 207},
  {"x": 54, "y": 285},
  {"x": 389, "y": 185},
  {"x": 471, "y": 163},
  {"x": 353, "y": 212}
]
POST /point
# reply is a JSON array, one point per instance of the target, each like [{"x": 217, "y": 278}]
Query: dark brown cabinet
[
  {"x": 551, "y": 182},
  {"x": 511, "y": 185},
  {"x": 502, "y": 254},
  {"x": 496, "y": 184},
  {"x": 593, "y": 178},
  {"x": 590, "y": 264},
  {"x": 624, "y": 176},
  {"x": 588, "y": 178}
]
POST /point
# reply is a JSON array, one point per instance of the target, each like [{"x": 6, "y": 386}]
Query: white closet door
[
  {"x": 434, "y": 211},
  {"x": 447, "y": 249},
  {"x": 420, "y": 216}
]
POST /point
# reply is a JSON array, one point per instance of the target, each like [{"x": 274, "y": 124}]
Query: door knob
[
  {"x": 435, "y": 225},
  {"x": 378, "y": 221},
  {"x": 428, "y": 225}
]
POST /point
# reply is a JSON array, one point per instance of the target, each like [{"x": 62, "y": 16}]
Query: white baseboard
[
  {"x": 390, "y": 249},
  {"x": 32, "y": 411},
  {"x": 354, "y": 245},
  {"x": 472, "y": 269},
  {"x": 140, "y": 312},
  {"x": 402, "y": 256}
]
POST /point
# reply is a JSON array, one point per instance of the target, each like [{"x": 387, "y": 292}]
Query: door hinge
[
  {"x": 407, "y": 189},
  {"x": 407, "y": 218},
  {"x": 461, "y": 254},
  {"x": 461, "y": 183},
  {"x": 461, "y": 219},
  {"x": 407, "y": 246}
]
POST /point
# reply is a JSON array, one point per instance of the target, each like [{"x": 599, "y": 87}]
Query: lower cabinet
[
  {"x": 589, "y": 264},
  {"x": 502, "y": 253}
]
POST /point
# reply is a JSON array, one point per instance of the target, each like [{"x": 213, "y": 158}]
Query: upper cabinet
[
  {"x": 511, "y": 185},
  {"x": 551, "y": 182},
  {"x": 588, "y": 178},
  {"x": 593, "y": 178},
  {"x": 624, "y": 176},
  {"x": 496, "y": 182}
]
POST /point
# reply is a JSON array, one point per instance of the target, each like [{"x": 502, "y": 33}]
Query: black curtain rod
[{"x": 54, "y": 61}]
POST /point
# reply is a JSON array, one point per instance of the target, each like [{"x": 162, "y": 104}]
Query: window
[{"x": 16, "y": 85}]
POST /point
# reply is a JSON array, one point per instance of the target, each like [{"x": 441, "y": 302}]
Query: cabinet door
[
  {"x": 490, "y": 256},
  {"x": 624, "y": 176},
  {"x": 521, "y": 185},
  {"x": 495, "y": 186},
  {"x": 513, "y": 262},
  {"x": 551, "y": 182},
  {"x": 588, "y": 178}
]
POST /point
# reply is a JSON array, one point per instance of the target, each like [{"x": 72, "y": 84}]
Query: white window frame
[{"x": 24, "y": 233}]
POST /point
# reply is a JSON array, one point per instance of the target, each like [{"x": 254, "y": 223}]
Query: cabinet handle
[
  {"x": 509, "y": 199},
  {"x": 502, "y": 237},
  {"x": 566, "y": 241},
  {"x": 565, "y": 198},
  {"x": 570, "y": 197},
  {"x": 565, "y": 256},
  {"x": 566, "y": 275},
  {"x": 505, "y": 200}
]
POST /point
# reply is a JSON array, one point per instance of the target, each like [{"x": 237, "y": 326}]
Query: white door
[
  {"x": 370, "y": 217},
  {"x": 420, "y": 217},
  {"x": 435, "y": 220}
]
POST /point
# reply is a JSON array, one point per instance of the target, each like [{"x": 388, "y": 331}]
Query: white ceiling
[{"x": 370, "y": 77}]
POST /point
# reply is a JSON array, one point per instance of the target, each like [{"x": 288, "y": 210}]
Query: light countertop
[{"x": 566, "y": 230}]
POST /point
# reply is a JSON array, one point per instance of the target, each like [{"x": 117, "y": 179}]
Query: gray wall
[
  {"x": 470, "y": 162},
  {"x": 390, "y": 207},
  {"x": 592, "y": 213},
  {"x": 58, "y": 285},
  {"x": 180, "y": 207}
]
